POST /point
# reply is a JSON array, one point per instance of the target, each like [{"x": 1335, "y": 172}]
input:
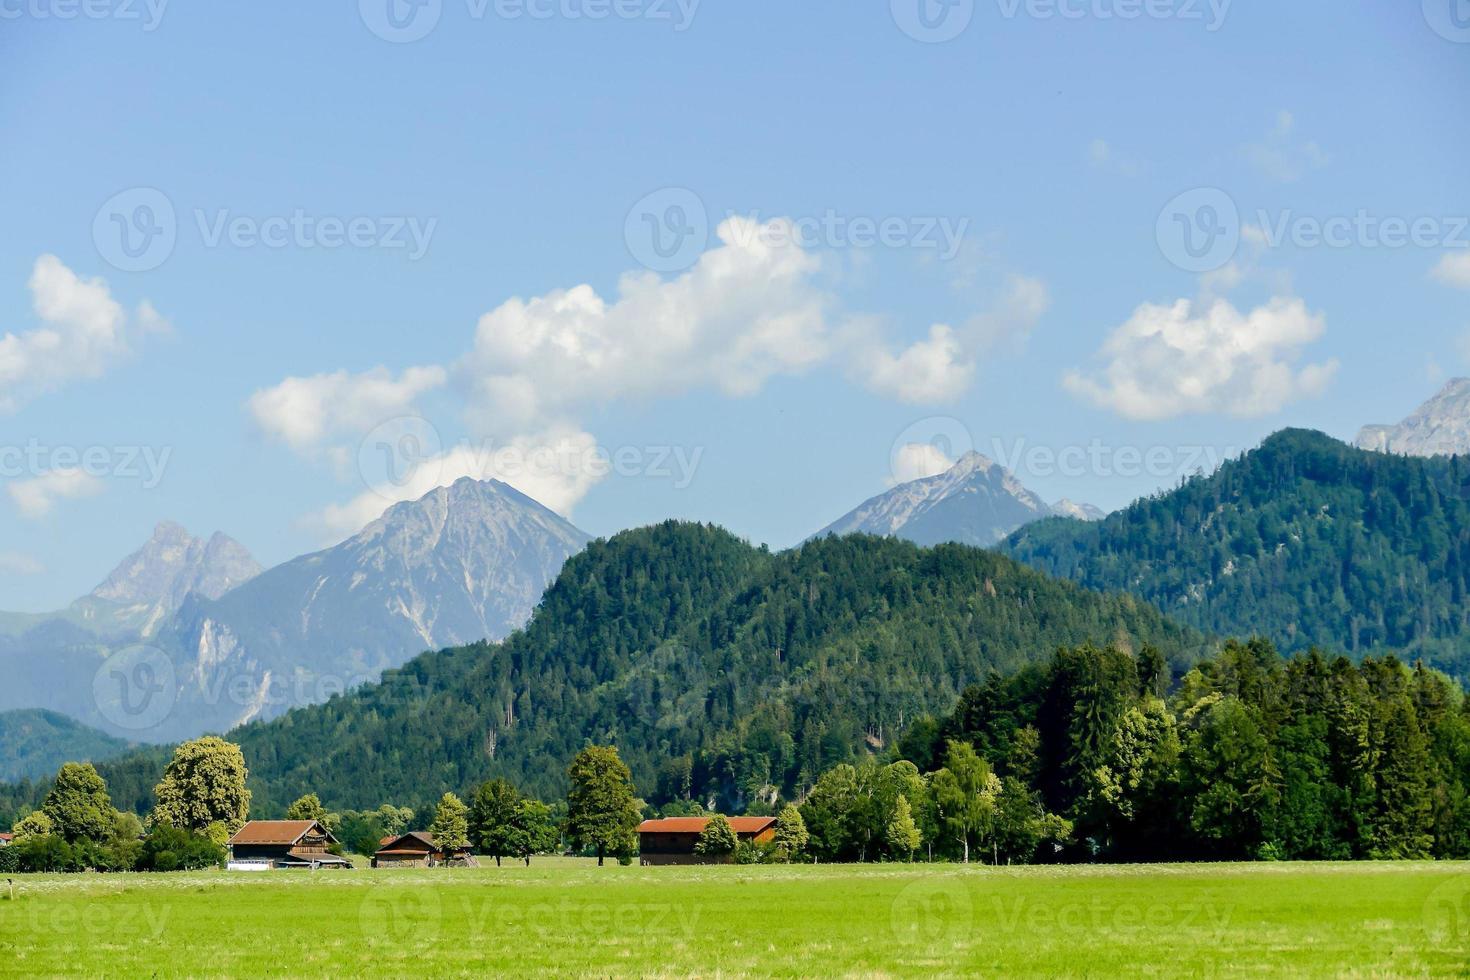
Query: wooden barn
[
  {"x": 416, "y": 849},
  {"x": 284, "y": 844},
  {"x": 671, "y": 840}
]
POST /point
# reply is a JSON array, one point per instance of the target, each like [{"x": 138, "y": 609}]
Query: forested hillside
[
  {"x": 721, "y": 671},
  {"x": 34, "y": 742},
  {"x": 1305, "y": 540}
]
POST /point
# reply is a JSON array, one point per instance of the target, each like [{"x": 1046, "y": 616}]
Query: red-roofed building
[
  {"x": 671, "y": 840},
  {"x": 284, "y": 844}
]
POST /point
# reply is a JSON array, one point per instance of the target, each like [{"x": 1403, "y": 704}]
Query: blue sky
[{"x": 528, "y": 147}]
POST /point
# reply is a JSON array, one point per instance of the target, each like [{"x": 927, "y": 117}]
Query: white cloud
[
  {"x": 1283, "y": 157},
  {"x": 1102, "y": 156},
  {"x": 37, "y": 496},
  {"x": 940, "y": 367},
  {"x": 83, "y": 332},
  {"x": 747, "y": 311},
  {"x": 1454, "y": 270},
  {"x": 17, "y": 563},
  {"x": 751, "y": 309},
  {"x": 936, "y": 369},
  {"x": 916, "y": 460},
  {"x": 1185, "y": 358},
  {"x": 305, "y": 412},
  {"x": 555, "y": 468}
]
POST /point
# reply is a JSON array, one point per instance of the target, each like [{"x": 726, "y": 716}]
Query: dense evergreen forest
[
  {"x": 1306, "y": 540},
  {"x": 1248, "y": 756},
  {"x": 720, "y": 670}
]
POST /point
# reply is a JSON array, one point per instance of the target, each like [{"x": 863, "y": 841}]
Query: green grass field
[{"x": 567, "y": 917}]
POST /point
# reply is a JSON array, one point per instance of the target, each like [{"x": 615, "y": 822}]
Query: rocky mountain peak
[
  {"x": 173, "y": 563},
  {"x": 1439, "y": 427},
  {"x": 976, "y": 501}
]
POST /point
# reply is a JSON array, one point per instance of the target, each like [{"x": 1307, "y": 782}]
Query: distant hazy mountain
[
  {"x": 166, "y": 649},
  {"x": 153, "y": 582},
  {"x": 976, "y": 501},
  {"x": 34, "y": 744},
  {"x": 464, "y": 563},
  {"x": 1083, "y": 512},
  {"x": 49, "y": 660},
  {"x": 150, "y": 584},
  {"x": 1439, "y": 427}
]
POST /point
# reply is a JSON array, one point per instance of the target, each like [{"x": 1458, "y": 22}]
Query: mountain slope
[
  {"x": 718, "y": 668},
  {"x": 463, "y": 563},
  {"x": 34, "y": 744},
  {"x": 1439, "y": 427},
  {"x": 49, "y": 660},
  {"x": 1305, "y": 540},
  {"x": 976, "y": 501}
]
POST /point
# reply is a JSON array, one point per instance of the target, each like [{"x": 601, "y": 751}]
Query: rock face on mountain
[
  {"x": 976, "y": 501},
  {"x": 1439, "y": 427},
  {"x": 1083, "y": 512},
  {"x": 153, "y": 582},
  {"x": 464, "y": 563},
  {"x": 167, "y": 649}
]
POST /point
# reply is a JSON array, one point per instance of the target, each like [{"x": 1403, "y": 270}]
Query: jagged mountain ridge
[
  {"x": 1439, "y": 427},
  {"x": 463, "y": 563},
  {"x": 976, "y": 501}
]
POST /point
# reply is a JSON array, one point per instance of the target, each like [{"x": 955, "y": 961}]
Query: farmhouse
[
  {"x": 416, "y": 849},
  {"x": 671, "y": 840},
  {"x": 266, "y": 844},
  {"x": 5, "y": 839}
]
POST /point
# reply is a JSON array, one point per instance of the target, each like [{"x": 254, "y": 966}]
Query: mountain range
[
  {"x": 976, "y": 501},
  {"x": 1439, "y": 427},
  {"x": 726, "y": 668},
  {"x": 1305, "y": 540},
  {"x": 219, "y": 642},
  {"x": 720, "y": 669}
]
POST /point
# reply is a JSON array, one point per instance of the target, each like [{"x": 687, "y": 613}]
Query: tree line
[{"x": 1097, "y": 754}]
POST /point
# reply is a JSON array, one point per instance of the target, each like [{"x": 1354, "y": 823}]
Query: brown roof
[
  {"x": 275, "y": 831},
  {"x": 317, "y": 856},
  {"x": 693, "y": 825},
  {"x": 392, "y": 845}
]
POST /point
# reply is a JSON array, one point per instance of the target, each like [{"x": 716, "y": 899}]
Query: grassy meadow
[{"x": 569, "y": 917}]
